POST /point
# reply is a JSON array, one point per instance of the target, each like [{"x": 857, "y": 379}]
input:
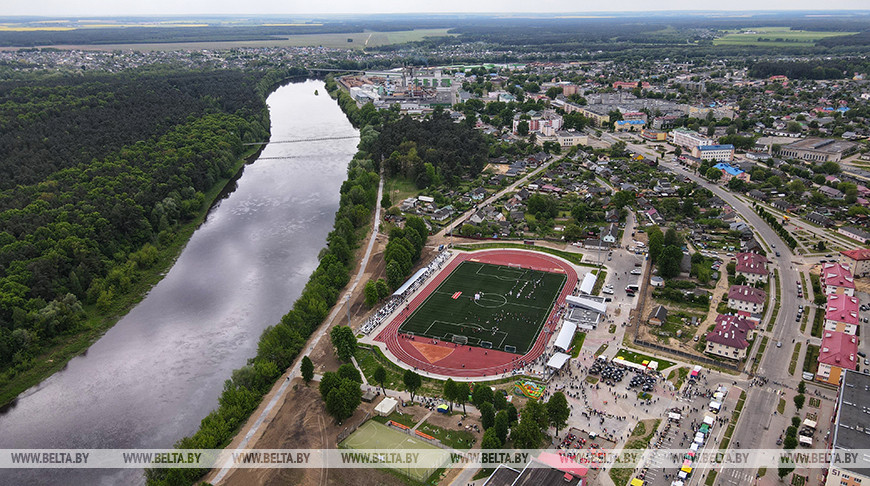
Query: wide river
[{"x": 152, "y": 377}]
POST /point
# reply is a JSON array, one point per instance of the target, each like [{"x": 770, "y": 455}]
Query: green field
[
  {"x": 773, "y": 37},
  {"x": 375, "y": 436},
  {"x": 510, "y": 312}
]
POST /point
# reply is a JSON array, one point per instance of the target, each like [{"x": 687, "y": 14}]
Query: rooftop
[
  {"x": 747, "y": 294},
  {"x": 751, "y": 263},
  {"x": 859, "y": 254},
  {"x": 852, "y": 416},
  {"x": 837, "y": 275},
  {"x": 820, "y": 145},
  {"x": 731, "y": 331},
  {"x": 842, "y": 308},
  {"x": 734, "y": 171},
  {"x": 839, "y": 349}
]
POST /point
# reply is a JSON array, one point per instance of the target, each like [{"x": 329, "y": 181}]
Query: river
[{"x": 152, "y": 377}]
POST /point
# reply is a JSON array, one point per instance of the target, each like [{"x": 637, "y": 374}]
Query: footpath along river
[{"x": 158, "y": 372}]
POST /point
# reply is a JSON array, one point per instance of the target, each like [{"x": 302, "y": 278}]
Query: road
[{"x": 751, "y": 431}]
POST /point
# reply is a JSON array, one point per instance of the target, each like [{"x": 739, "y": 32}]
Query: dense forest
[
  {"x": 89, "y": 212},
  {"x": 815, "y": 69},
  {"x": 48, "y": 124},
  {"x": 429, "y": 151}
]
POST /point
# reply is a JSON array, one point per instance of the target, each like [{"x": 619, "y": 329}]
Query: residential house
[
  {"x": 719, "y": 153},
  {"x": 478, "y": 194},
  {"x": 832, "y": 193},
  {"x": 857, "y": 260},
  {"x": 752, "y": 266},
  {"x": 854, "y": 233},
  {"x": 782, "y": 205},
  {"x": 610, "y": 233},
  {"x": 757, "y": 195},
  {"x": 730, "y": 338},
  {"x": 838, "y": 353},
  {"x": 746, "y": 298},
  {"x": 841, "y": 314},
  {"x": 820, "y": 219},
  {"x": 837, "y": 279},
  {"x": 658, "y": 317},
  {"x": 612, "y": 215}
]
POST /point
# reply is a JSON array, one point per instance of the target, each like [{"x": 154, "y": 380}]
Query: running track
[{"x": 471, "y": 361}]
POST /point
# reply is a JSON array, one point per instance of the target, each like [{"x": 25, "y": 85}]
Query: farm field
[{"x": 773, "y": 37}]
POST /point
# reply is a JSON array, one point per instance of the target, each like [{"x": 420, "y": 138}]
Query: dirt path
[{"x": 720, "y": 293}]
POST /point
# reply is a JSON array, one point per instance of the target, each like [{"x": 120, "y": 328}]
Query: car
[
  {"x": 696, "y": 339},
  {"x": 862, "y": 354},
  {"x": 867, "y": 362},
  {"x": 636, "y": 271},
  {"x": 609, "y": 258},
  {"x": 637, "y": 264},
  {"x": 823, "y": 261},
  {"x": 777, "y": 254},
  {"x": 779, "y": 344},
  {"x": 798, "y": 318},
  {"x": 779, "y": 441},
  {"x": 829, "y": 256},
  {"x": 607, "y": 291},
  {"x": 772, "y": 245}
]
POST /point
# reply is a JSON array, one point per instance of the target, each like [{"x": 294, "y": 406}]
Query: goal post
[{"x": 459, "y": 339}]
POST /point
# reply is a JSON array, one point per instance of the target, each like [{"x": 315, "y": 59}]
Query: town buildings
[
  {"x": 752, "y": 266},
  {"x": 857, "y": 260},
  {"x": 746, "y": 298}
]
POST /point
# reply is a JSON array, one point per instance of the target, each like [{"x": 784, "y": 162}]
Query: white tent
[
  {"x": 386, "y": 407},
  {"x": 620, "y": 361},
  {"x": 566, "y": 335},
  {"x": 674, "y": 416},
  {"x": 693, "y": 447},
  {"x": 810, "y": 423},
  {"x": 709, "y": 420},
  {"x": 558, "y": 360},
  {"x": 588, "y": 283},
  {"x": 715, "y": 406},
  {"x": 653, "y": 365},
  {"x": 804, "y": 440},
  {"x": 699, "y": 438}
]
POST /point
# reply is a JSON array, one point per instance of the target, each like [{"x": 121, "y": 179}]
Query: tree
[
  {"x": 523, "y": 128},
  {"x": 656, "y": 243},
  {"x": 502, "y": 425},
  {"x": 802, "y": 387},
  {"x": 669, "y": 262},
  {"x": 785, "y": 468},
  {"x": 572, "y": 233},
  {"x": 558, "y": 411},
  {"x": 461, "y": 396},
  {"x": 348, "y": 371},
  {"x": 672, "y": 238},
  {"x": 371, "y": 293},
  {"x": 395, "y": 275},
  {"x": 380, "y": 376},
  {"x": 487, "y": 415},
  {"x": 412, "y": 382},
  {"x": 450, "y": 391},
  {"x": 713, "y": 174},
  {"x": 307, "y": 368},
  {"x": 490, "y": 440},
  {"x": 527, "y": 434},
  {"x": 383, "y": 289},
  {"x": 799, "y": 400},
  {"x": 512, "y": 413},
  {"x": 343, "y": 341},
  {"x": 482, "y": 394}
]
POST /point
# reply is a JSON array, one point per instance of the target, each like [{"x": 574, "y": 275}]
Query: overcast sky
[{"x": 186, "y": 7}]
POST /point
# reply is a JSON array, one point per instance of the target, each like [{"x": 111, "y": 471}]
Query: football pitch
[
  {"x": 373, "y": 436},
  {"x": 491, "y": 306}
]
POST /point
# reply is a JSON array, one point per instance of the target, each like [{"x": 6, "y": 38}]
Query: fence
[{"x": 344, "y": 434}]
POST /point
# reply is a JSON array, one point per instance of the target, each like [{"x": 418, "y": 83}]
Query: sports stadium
[{"x": 485, "y": 313}]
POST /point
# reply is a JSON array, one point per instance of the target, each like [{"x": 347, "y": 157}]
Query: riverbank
[{"x": 96, "y": 323}]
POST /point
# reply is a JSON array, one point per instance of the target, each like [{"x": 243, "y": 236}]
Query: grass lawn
[
  {"x": 402, "y": 418},
  {"x": 794, "y": 357},
  {"x": 640, "y": 358},
  {"x": 678, "y": 376},
  {"x": 577, "y": 344},
  {"x": 759, "y": 354},
  {"x": 781, "y": 407},
  {"x": 374, "y": 435},
  {"x": 818, "y": 322},
  {"x": 811, "y": 359},
  {"x": 601, "y": 349},
  {"x": 456, "y": 439},
  {"x": 492, "y": 306}
]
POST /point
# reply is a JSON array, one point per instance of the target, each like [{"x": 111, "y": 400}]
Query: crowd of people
[{"x": 397, "y": 301}]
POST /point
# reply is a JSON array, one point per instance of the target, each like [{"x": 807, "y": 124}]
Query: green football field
[
  {"x": 491, "y": 306},
  {"x": 372, "y": 436}
]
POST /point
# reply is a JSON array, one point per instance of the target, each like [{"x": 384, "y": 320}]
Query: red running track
[{"x": 471, "y": 361}]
